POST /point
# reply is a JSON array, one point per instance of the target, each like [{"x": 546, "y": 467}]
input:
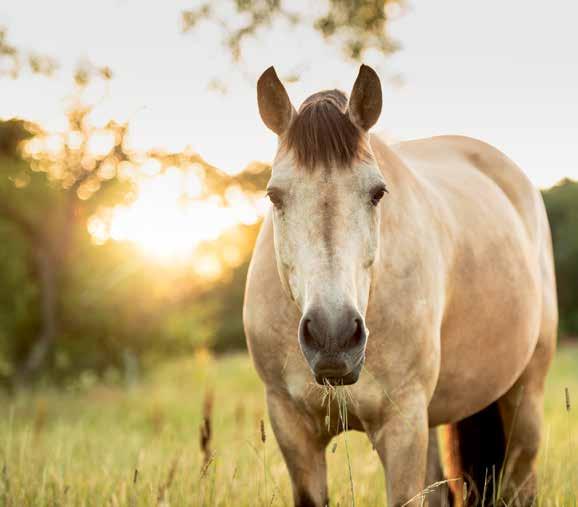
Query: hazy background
[{"x": 133, "y": 160}]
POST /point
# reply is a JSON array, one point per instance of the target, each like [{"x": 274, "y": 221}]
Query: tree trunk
[{"x": 46, "y": 267}]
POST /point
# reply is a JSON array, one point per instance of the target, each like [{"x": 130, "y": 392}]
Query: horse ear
[
  {"x": 274, "y": 104},
  {"x": 365, "y": 100}
]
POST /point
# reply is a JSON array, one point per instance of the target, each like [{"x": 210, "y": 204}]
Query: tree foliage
[
  {"x": 45, "y": 196},
  {"x": 562, "y": 206},
  {"x": 13, "y": 59},
  {"x": 68, "y": 304},
  {"x": 356, "y": 25}
]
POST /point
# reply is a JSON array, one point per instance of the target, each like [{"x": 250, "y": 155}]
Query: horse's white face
[
  {"x": 326, "y": 218},
  {"x": 326, "y": 227}
]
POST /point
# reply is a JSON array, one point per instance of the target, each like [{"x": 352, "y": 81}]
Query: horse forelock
[{"x": 322, "y": 135}]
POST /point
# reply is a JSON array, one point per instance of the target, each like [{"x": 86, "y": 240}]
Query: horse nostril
[
  {"x": 308, "y": 337},
  {"x": 359, "y": 333}
]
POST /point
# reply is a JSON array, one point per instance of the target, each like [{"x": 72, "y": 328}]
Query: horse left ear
[{"x": 365, "y": 101}]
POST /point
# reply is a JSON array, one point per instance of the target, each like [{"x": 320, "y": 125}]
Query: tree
[
  {"x": 357, "y": 25},
  {"x": 69, "y": 304},
  {"x": 562, "y": 206},
  {"x": 45, "y": 197}
]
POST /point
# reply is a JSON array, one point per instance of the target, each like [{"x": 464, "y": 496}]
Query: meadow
[{"x": 107, "y": 443}]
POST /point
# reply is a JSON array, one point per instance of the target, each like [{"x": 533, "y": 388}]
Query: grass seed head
[
  {"x": 262, "y": 428},
  {"x": 206, "y": 427}
]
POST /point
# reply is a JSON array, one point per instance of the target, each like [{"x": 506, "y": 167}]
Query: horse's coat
[{"x": 456, "y": 289}]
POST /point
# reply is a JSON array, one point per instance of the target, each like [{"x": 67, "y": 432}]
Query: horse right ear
[{"x": 274, "y": 104}]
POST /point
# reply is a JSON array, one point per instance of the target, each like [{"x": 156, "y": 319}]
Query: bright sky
[{"x": 506, "y": 72}]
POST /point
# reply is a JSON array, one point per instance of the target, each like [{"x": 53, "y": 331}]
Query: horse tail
[{"x": 475, "y": 450}]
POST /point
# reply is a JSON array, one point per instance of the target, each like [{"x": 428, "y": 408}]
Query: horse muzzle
[{"x": 333, "y": 344}]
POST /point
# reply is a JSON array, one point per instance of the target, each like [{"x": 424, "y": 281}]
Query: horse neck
[
  {"x": 405, "y": 187},
  {"x": 410, "y": 218},
  {"x": 395, "y": 172}
]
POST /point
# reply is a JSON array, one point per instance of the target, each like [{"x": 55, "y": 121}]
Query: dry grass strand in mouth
[
  {"x": 333, "y": 393},
  {"x": 341, "y": 395},
  {"x": 342, "y": 404}
]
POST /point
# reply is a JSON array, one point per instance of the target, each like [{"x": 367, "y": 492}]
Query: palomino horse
[{"x": 420, "y": 275}]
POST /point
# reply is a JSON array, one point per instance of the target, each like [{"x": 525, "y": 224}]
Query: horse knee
[
  {"x": 524, "y": 429},
  {"x": 529, "y": 442},
  {"x": 524, "y": 434}
]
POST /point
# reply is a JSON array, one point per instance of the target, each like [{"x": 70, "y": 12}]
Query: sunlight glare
[
  {"x": 168, "y": 227},
  {"x": 208, "y": 266}
]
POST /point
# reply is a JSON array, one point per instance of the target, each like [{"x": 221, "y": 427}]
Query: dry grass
[{"x": 109, "y": 445}]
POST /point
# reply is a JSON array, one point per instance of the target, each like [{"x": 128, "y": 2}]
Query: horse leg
[
  {"x": 303, "y": 449},
  {"x": 439, "y": 497},
  {"x": 474, "y": 453},
  {"x": 401, "y": 442},
  {"x": 522, "y": 424},
  {"x": 522, "y": 413}
]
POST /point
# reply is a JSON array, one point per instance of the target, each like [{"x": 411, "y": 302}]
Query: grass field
[{"x": 97, "y": 444}]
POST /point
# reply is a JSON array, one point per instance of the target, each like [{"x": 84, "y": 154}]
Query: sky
[{"x": 505, "y": 72}]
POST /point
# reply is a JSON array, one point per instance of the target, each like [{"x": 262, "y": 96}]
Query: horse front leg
[
  {"x": 440, "y": 494},
  {"x": 402, "y": 444},
  {"x": 303, "y": 448}
]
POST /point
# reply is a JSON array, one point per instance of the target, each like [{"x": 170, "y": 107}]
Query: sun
[{"x": 168, "y": 219}]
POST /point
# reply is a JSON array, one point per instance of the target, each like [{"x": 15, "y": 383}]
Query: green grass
[{"x": 83, "y": 446}]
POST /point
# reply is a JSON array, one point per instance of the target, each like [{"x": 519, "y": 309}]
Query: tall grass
[{"x": 96, "y": 444}]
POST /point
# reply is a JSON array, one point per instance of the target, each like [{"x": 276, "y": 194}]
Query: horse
[{"x": 418, "y": 277}]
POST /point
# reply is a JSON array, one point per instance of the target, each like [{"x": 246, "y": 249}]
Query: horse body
[
  {"x": 491, "y": 244},
  {"x": 461, "y": 315}
]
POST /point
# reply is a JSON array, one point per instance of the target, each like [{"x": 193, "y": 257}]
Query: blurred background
[{"x": 133, "y": 162}]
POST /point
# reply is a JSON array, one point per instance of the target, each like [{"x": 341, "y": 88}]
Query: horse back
[{"x": 460, "y": 154}]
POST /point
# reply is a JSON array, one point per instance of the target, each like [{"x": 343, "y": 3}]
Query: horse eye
[
  {"x": 377, "y": 194},
  {"x": 275, "y": 198}
]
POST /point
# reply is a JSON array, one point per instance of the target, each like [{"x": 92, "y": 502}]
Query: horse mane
[{"x": 321, "y": 134}]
